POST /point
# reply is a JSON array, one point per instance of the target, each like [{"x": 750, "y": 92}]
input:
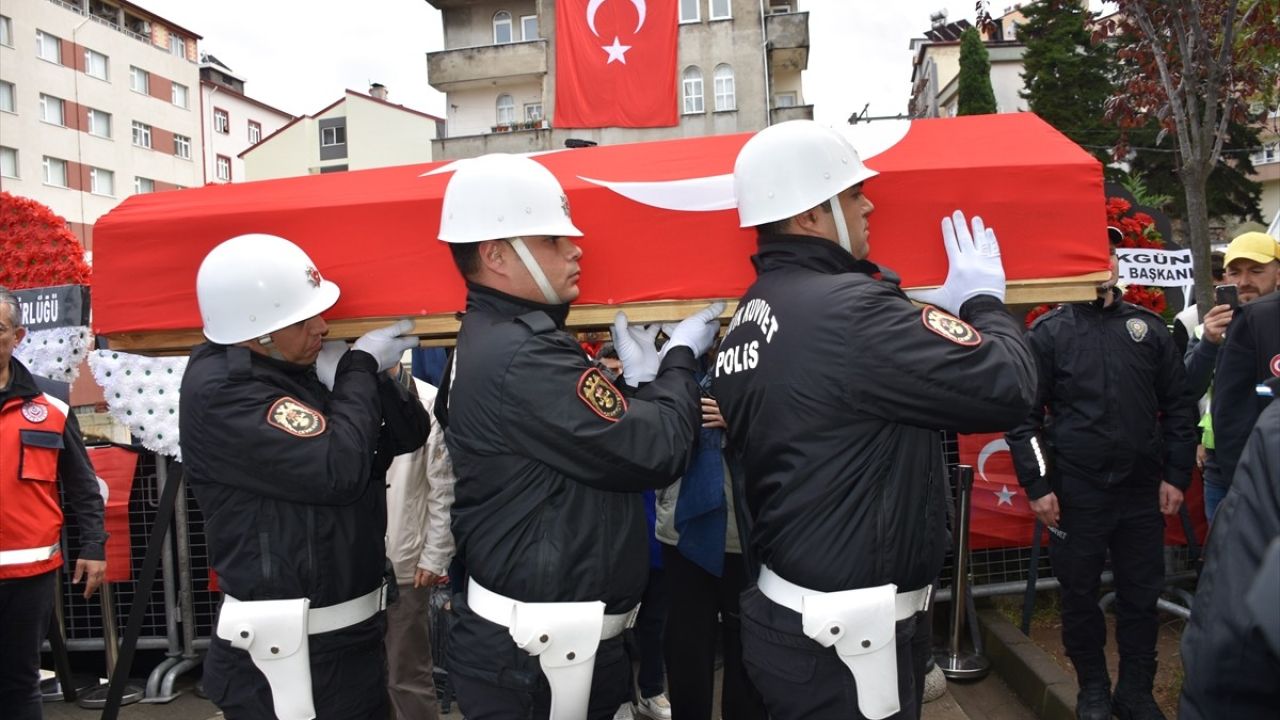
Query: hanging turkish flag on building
[{"x": 615, "y": 63}]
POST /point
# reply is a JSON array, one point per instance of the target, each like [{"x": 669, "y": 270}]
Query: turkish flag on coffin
[{"x": 615, "y": 63}]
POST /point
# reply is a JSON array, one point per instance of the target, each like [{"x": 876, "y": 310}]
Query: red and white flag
[
  {"x": 616, "y": 63},
  {"x": 115, "y": 467}
]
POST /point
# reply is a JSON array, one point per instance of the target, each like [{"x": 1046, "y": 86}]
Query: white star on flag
[
  {"x": 1005, "y": 495},
  {"x": 617, "y": 51}
]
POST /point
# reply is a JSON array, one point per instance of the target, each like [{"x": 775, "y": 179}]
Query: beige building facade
[{"x": 232, "y": 121}]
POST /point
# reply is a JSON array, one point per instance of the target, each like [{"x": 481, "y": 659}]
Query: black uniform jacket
[
  {"x": 290, "y": 477},
  {"x": 1231, "y": 648},
  {"x": 1249, "y": 356},
  {"x": 550, "y": 460},
  {"x": 1115, "y": 394},
  {"x": 834, "y": 387}
]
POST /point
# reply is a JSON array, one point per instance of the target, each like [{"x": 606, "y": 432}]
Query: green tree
[
  {"x": 976, "y": 95},
  {"x": 1067, "y": 74}
]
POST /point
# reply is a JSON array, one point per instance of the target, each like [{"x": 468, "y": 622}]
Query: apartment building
[
  {"x": 232, "y": 121},
  {"x": 355, "y": 132},
  {"x": 498, "y": 73},
  {"x": 97, "y": 102},
  {"x": 935, "y": 66}
]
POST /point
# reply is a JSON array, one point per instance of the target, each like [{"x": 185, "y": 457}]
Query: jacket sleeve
[
  {"x": 1178, "y": 416},
  {"x": 1199, "y": 360},
  {"x": 331, "y": 467},
  {"x": 905, "y": 368},
  {"x": 437, "y": 545},
  {"x": 1235, "y": 401},
  {"x": 80, "y": 491},
  {"x": 549, "y": 415},
  {"x": 1027, "y": 445},
  {"x": 407, "y": 422}
]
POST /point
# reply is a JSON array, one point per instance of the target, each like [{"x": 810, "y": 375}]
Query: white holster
[
  {"x": 274, "y": 632},
  {"x": 563, "y": 636},
  {"x": 861, "y": 626}
]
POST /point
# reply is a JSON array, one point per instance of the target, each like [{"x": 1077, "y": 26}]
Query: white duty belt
[
  {"x": 563, "y": 636},
  {"x": 275, "y": 634},
  {"x": 28, "y": 555},
  {"x": 860, "y": 625}
]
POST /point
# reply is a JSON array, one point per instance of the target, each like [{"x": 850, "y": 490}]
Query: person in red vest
[{"x": 40, "y": 446}]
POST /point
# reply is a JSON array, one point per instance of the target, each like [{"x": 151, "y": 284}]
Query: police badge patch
[
  {"x": 295, "y": 418},
  {"x": 950, "y": 327},
  {"x": 1275, "y": 366},
  {"x": 601, "y": 396},
  {"x": 1137, "y": 329},
  {"x": 34, "y": 413}
]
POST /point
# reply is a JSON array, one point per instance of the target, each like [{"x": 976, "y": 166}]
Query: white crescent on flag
[
  {"x": 594, "y": 6},
  {"x": 990, "y": 449}
]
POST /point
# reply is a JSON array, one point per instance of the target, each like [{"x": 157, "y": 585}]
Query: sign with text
[
  {"x": 53, "y": 307},
  {"x": 1162, "y": 268}
]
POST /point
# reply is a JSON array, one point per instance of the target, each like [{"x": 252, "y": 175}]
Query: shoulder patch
[
  {"x": 605, "y": 400},
  {"x": 950, "y": 327},
  {"x": 295, "y": 418},
  {"x": 1275, "y": 365},
  {"x": 1137, "y": 329}
]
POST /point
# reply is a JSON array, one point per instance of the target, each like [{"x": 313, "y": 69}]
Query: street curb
[{"x": 1029, "y": 671}]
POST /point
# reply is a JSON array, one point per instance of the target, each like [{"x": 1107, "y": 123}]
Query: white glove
[
  {"x": 327, "y": 361},
  {"x": 975, "y": 266},
  {"x": 387, "y": 344},
  {"x": 697, "y": 331},
  {"x": 636, "y": 350}
]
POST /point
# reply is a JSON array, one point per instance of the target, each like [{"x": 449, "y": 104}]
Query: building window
[
  {"x": 223, "y": 168},
  {"x": 777, "y": 8},
  {"x": 102, "y": 182},
  {"x": 141, "y": 134},
  {"x": 1269, "y": 153},
  {"x": 48, "y": 47},
  {"x": 221, "y": 121},
  {"x": 179, "y": 95},
  {"x": 8, "y": 162},
  {"x": 255, "y": 132},
  {"x": 723, "y": 79},
  {"x": 689, "y": 11},
  {"x": 177, "y": 46},
  {"x": 506, "y": 109},
  {"x": 529, "y": 27},
  {"x": 502, "y": 28},
  {"x": 182, "y": 147},
  {"x": 786, "y": 99},
  {"x": 51, "y": 110},
  {"x": 139, "y": 80},
  {"x": 533, "y": 112},
  {"x": 6, "y": 31},
  {"x": 55, "y": 171},
  {"x": 99, "y": 123},
  {"x": 330, "y": 136},
  {"x": 143, "y": 185},
  {"x": 720, "y": 10},
  {"x": 7, "y": 97},
  {"x": 95, "y": 64},
  {"x": 692, "y": 90}
]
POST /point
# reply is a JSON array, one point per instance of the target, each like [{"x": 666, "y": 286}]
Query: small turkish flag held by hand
[{"x": 616, "y": 63}]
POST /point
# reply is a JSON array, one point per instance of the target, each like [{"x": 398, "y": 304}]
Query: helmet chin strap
[
  {"x": 535, "y": 270},
  {"x": 270, "y": 347},
  {"x": 842, "y": 229}
]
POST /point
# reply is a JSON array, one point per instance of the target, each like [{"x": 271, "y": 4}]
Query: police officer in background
[
  {"x": 286, "y": 440},
  {"x": 834, "y": 387},
  {"x": 550, "y": 456},
  {"x": 40, "y": 450},
  {"x": 1116, "y": 454}
]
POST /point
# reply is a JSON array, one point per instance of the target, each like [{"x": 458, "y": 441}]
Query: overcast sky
[{"x": 300, "y": 56}]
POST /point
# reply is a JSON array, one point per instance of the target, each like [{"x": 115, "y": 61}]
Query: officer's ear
[
  {"x": 810, "y": 222},
  {"x": 493, "y": 255}
]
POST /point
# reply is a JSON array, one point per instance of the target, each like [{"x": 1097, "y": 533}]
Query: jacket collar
[
  {"x": 778, "y": 252},
  {"x": 22, "y": 383},
  {"x": 486, "y": 299}
]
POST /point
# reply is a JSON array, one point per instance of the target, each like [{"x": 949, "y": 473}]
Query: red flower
[
  {"x": 1036, "y": 312},
  {"x": 37, "y": 249}
]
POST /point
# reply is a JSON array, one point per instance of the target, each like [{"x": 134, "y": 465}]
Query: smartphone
[{"x": 1227, "y": 295}]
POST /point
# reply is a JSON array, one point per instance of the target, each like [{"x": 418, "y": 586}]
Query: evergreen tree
[
  {"x": 1067, "y": 76},
  {"x": 976, "y": 96}
]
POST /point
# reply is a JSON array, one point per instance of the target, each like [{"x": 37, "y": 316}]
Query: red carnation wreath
[
  {"x": 1139, "y": 230},
  {"x": 37, "y": 249}
]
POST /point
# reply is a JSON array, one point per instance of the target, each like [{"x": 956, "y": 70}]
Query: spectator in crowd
[
  {"x": 40, "y": 451},
  {"x": 834, "y": 388},
  {"x": 419, "y": 546},
  {"x": 1116, "y": 455},
  {"x": 1187, "y": 321},
  {"x": 286, "y": 441},
  {"x": 550, "y": 455}
]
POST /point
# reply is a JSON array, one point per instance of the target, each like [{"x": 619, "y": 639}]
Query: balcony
[
  {"x": 788, "y": 38},
  {"x": 477, "y": 67},
  {"x": 511, "y": 141},
  {"x": 795, "y": 112}
]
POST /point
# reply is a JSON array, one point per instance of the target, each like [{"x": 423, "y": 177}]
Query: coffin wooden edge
[{"x": 439, "y": 330}]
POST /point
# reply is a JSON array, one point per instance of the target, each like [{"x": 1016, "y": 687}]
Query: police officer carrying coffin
[
  {"x": 835, "y": 387},
  {"x": 550, "y": 456},
  {"x": 286, "y": 461},
  {"x": 1115, "y": 451}
]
